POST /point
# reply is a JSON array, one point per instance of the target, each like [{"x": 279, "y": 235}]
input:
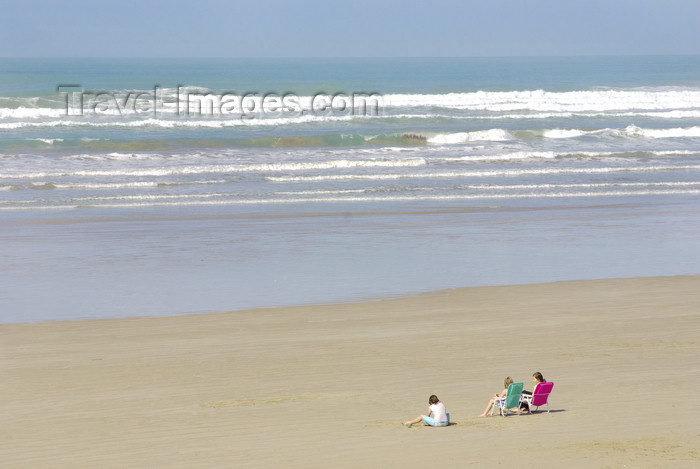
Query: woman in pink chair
[{"x": 537, "y": 378}]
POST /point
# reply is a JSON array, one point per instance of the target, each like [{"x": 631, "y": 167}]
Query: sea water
[{"x": 154, "y": 187}]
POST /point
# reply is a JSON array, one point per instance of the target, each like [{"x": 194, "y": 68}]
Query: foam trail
[
  {"x": 135, "y": 185},
  {"x": 583, "y": 185},
  {"x": 181, "y": 123},
  {"x": 519, "y": 155},
  {"x": 487, "y": 173},
  {"x": 215, "y": 169},
  {"x": 453, "y": 197},
  {"x": 325, "y": 192}
]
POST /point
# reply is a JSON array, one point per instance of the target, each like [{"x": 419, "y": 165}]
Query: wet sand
[{"x": 328, "y": 386}]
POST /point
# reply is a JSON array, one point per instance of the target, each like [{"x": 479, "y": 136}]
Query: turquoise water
[
  {"x": 39, "y": 77},
  {"x": 467, "y": 172}
]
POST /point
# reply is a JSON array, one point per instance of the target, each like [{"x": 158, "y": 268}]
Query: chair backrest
[
  {"x": 541, "y": 393},
  {"x": 513, "y": 395}
]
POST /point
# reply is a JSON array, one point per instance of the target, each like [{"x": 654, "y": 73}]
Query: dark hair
[
  {"x": 538, "y": 376},
  {"x": 433, "y": 399}
]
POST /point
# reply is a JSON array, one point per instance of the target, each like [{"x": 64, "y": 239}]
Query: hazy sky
[{"x": 352, "y": 28}]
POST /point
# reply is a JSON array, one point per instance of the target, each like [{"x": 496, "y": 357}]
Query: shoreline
[
  {"x": 328, "y": 385},
  {"x": 360, "y": 300},
  {"x": 206, "y": 264}
]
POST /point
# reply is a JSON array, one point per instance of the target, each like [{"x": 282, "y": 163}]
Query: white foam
[
  {"x": 581, "y": 185},
  {"x": 101, "y": 186},
  {"x": 547, "y": 101},
  {"x": 30, "y": 113},
  {"x": 177, "y": 123},
  {"x": 325, "y": 192},
  {"x": 518, "y": 155},
  {"x": 492, "y": 187},
  {"x": 264, "y": 121},
  {"x": 495, "y": 135},
  {"x": 116, "y": 156},
  {"x": 521, "y": 104},
  {"x": 525, "y": 155},
  {"x": 327, "y": 165},
  {"x": 630, "y": 131},
  {"x": 153, "y": 197},
  {"x": 677, "y": 114},
  {"x": 678, "y": 132},
  {"x": 50, "y": 141},
  {"x": 563, "y": 133}
]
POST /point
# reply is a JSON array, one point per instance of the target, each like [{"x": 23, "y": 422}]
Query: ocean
[{"x": 137, "y": 187}]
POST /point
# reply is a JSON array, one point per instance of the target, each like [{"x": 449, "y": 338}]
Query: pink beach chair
[{"x": 539, "y": 396}]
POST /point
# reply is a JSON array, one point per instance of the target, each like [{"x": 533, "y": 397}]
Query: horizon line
[{"x": 357, "y": 57}]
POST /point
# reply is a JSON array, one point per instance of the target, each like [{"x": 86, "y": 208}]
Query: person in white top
[{"x": 437, "y": 415}]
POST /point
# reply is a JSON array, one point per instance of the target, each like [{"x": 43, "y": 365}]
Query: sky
[{"x": 351, "y": 28}]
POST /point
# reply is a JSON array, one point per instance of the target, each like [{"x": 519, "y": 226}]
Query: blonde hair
[{"x": 507, "y": 382}]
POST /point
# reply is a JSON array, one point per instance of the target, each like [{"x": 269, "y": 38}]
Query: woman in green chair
[{"x": 507, "y": 382}]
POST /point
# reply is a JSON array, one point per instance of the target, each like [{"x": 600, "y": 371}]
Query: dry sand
[{"x": 327, "y": 386}]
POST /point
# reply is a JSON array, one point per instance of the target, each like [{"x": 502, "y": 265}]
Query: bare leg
[
  {"x": 414, "y": 421},
  {"x": 488, "y": 407}
]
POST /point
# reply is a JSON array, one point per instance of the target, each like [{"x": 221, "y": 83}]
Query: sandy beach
[{"x": 328, "y": 386}]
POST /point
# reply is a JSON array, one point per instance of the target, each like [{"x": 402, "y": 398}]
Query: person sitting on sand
[
  {"x": 537, "y": 378},
  {"x": 437, "y": 410},
  {"x": 507, "y": 382}
]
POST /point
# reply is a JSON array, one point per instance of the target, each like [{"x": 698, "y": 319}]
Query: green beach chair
[{"x": 512, "y": 399}]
